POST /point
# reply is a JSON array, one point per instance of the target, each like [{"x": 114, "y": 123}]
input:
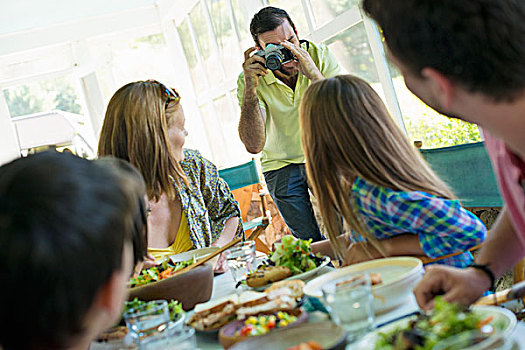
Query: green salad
[
  {"x": 425, "y": 331},
  {"x": 156, "y": 273},
  {"x": 296, "y": 254}
]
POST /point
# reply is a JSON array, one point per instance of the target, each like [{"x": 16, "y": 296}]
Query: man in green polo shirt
[{"x": 269, "y": 122}]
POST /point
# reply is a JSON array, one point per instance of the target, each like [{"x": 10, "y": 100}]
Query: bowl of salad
[
  {"x": 253, "y": 326},
  {"x": 445, "y": 321},
  {"x": 166, "y": 282},
  {"x": 311, "y": 335}
]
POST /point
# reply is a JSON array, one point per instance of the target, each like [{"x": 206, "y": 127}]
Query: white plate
[
  {"x": 502, "y": 317},
  {"x": 399, "y": 276},
  {"x": 302, "y": 276}
]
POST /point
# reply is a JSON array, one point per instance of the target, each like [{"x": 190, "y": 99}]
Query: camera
[{"x": 275, "y": 56}]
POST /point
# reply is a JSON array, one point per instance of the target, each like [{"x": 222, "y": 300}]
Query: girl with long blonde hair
[
  {"x": 362, "y": 166},
  {"x": 190, "y": 205}
]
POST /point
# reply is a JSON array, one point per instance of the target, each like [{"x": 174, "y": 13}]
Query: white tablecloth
[{"x": 224, "y": 285}]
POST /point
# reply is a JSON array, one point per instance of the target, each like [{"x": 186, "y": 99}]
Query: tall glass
[
  {"x": 351, "y": 304},
  {"x": 241, "y": 260}
]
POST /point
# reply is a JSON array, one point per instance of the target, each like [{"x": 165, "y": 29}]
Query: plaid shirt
[
  {"x": 207, "y": 201},
  {"x": 442, "y": 225}
]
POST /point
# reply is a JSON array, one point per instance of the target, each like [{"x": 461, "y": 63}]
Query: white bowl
[
  {"x": 504, "y": 322},
  {"x": 399, "y": 276},
  {"x": 197, "y": 253}
]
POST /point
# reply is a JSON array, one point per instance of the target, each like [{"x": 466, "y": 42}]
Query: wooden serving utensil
[
  {"x": 230, "y": 244},
  {"x": 212, "y": 255},
  {"x": 427, "y": 260},
  {"x": 515, "y": 292}
]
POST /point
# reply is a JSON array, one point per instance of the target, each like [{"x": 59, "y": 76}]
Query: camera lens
[{"x": 273, "y": 61}]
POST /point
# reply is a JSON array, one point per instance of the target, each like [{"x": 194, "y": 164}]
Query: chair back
[
  {"x": 468, "y": 171},
  {"x": 241, "y": 175}
]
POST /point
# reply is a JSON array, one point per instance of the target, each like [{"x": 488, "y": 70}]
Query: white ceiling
[{"x": 20, "y": 15}]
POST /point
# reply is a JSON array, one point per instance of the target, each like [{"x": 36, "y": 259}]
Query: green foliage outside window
[
  {"x": 449, "y": 132},
  {"x": 41, "y": 97}
]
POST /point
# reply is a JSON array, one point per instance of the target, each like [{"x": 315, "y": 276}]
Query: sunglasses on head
[{"x": 171, "y": 95}]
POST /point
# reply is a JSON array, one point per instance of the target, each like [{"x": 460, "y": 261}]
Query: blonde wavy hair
[
  {"x": 346, "y": 132},
  {"x": 136, "y": 129}
]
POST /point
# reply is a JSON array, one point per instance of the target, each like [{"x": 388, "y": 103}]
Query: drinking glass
[
  {"x": 147, "y": 320},
  {"x": 174, "y": 338},
  {"x": 351, "y": 304},
  {"x": 241, "y": 260}
]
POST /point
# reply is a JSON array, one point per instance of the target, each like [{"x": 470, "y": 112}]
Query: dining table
[{"x": 224, "y": 285}]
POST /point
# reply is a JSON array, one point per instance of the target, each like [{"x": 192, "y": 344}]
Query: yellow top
[{"x": 181, "y": 244}]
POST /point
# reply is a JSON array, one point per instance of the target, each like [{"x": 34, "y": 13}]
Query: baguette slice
[{"x": 267, "y": 274}]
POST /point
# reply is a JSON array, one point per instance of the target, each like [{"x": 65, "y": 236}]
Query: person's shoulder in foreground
[
  {"x": 465, "y": 59},
  {"x": 70, "y": 232}
]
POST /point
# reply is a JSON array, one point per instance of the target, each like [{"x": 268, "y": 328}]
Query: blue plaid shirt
[{"x": 442, "y": 225}]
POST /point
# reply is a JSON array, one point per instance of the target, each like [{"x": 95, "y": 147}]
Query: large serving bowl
[
  {"x": 329, "y": 335},
  {"x": 196, "y": 253},
  {"x": 190, "y": 288},
  {"x": 399, "y": 276}
]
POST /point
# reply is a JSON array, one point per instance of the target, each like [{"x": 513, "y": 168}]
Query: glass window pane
[
  {"x": 353, "y": 52},
  {"x": 196, "y": 73},
  {"x": 206, "y": 44},
  {"x": 213, "y": 131},
  {"x": 243, "y": 15},
  {"x": 134, "y": 59},
  {"x": 229, "y": 48},
  {"x": 426, "y": 125},
  {"x": 43, "y": 96},
  {"x": 296, "y": 12},
  {"x": 236, "y": 152},
  {"x": 327, "y": 10}
]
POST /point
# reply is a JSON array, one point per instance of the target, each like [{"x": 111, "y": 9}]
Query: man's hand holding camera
[
  {"x": 307, "y": 66},
  {"x": 253, "y": 67}
]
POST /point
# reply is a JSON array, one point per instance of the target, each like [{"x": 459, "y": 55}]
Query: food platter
[
  {"x": 399, "y": 276},
  {"x": 503, "y": 321}
]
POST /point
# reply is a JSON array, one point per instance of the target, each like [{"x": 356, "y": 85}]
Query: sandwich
[
  {"x": 281, "y": 299},
  {"x": 214, "y": 314}
]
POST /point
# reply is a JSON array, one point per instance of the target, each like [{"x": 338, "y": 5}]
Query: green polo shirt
[{"x": 283, "y": 136}]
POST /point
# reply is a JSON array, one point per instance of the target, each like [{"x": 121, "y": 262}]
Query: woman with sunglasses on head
[
  {"x": 191, "y": 207},
  {"x": 362, "y": 166}
]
